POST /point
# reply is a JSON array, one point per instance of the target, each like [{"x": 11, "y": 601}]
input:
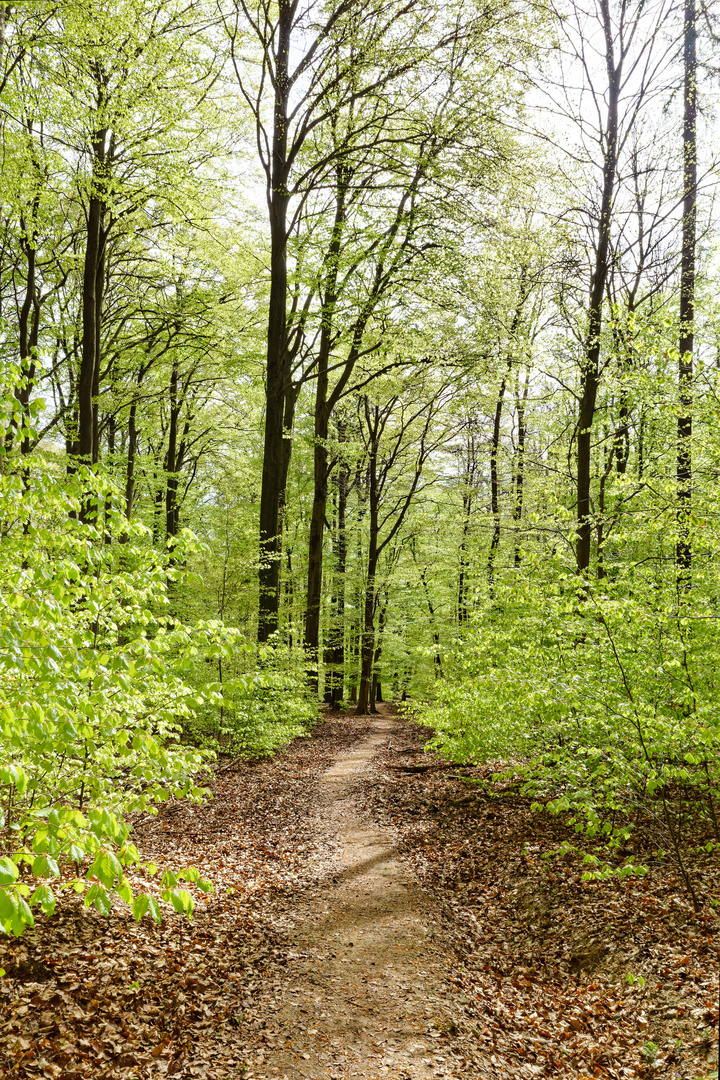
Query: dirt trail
[{"x": 366, "y": 994}]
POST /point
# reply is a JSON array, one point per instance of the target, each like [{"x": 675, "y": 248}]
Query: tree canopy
[{"x": 355, "y": 351}]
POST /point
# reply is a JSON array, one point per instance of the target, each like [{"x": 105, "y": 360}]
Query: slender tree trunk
[
  {"x": 321, "y": 468},
  {"x": 367, "y": 641},
  {"x": 621, "y": 441},
  {"x": 497, "y": 419},
  {"x": 433, "y": 626},
  {"x": 367, "y": 637},
  {"x": 315, "y": 545},
  {"x": 93, "y": 280},
  {"x": 29, "y": 329},
  {"x": 601, "y": 523},
  {"x": 99, "y": 295},
  {"x": 335, "y": 648},
  {"x": 275, "y": 453},
  {"x": 288, "y": 594},
  {"x": 172, "y": 458},
  {"x": 354, "y": 664},
  {"x": 591, "y": 366},
  {"x": 376, "y": 682},
  {"x": 687, "y": 295},
  {"x": 494, "y": 482},
  {"x": 521, "y": 408},
  {"x": 86, "y": 377},
  {"x": 464, "y": 568},
  {"x": 130, "y": 467}
]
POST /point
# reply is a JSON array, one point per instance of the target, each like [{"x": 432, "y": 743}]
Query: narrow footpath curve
[{"x": 366, "y": 990}]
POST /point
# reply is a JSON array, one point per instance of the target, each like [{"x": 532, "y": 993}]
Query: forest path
[{"x": 366, "y": 993}]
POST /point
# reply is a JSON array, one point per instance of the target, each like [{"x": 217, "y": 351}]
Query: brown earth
[
  {"x": 367, "y": 991},
  {"x": 375, "y": 914}
]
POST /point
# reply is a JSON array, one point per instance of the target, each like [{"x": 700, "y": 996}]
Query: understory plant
[
  {"x": 92, "y": 695},
  {"x": 256, "y": 697},
  {"x": 604, "y": 700}
]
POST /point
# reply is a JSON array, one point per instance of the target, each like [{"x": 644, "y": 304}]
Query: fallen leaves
[
  {"x": 86, "y": 996},
  {"x": 544, "y": 959},
  {"x": 540, "y": 977}
]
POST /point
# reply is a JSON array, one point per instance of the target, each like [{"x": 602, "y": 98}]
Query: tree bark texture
[
  {"x": 687, "y": 294},
  {"x": 589, "y": 381},
  {"x": 276, "y": 456}
]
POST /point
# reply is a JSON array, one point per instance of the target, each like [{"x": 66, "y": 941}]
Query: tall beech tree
[
  {"x": 315, "y": 65},
  {"x": 367, "y": 269},
  {"x": 621, "y": 78},
  {"x": 399, "y": 433},
  {"x": 687, "y": 289}
]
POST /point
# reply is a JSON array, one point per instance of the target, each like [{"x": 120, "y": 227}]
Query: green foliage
[
  {"x": 605, "y": 703},
  {"x": 92, "y": 695},
  {"x": 263, "y": 696}
]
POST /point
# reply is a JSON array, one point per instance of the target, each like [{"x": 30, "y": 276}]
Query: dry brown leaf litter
[
  {"x": 86, "y": 996},
  {"x": 543, "y": 957},
  {"x": 539, "y": 980}
]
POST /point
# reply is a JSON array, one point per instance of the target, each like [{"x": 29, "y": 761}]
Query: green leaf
[
  {"x": 8, "y": 871},
  {"x": 125, "y": 893},
  {"x": 97, "y": 896},
  {"x": 44, "y": 896},
  {"x": 8, "y": 907},
  {"x": 45, "y": 866},
  {"x": 154, "y": 910},
  {"x": 106, "y": 868},
  {"x": 140, "y": 906}
]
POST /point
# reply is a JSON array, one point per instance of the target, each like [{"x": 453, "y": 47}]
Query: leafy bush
[
  {"x": 92, "y": 695},
  {"x": 262, "y": 691},
  {"x": 608, "y": 705}
]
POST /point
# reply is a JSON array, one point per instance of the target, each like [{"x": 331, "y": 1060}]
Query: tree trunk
[
  {"x": 521, "y": 407},
  {"x": 315, "y": 546},
  {"x": 99, "y": 293},
  {"x": 464, "y": 569},
  {"x": 130, "y": 467},
  {"x": 275, "y": 453},
  {"x": 321, "y": 468},
  {"x": 29, "y": 328},
  {"x": 601, "y": 523},
  {"x": 289, "y": 593},
  {"x": 591, "y": 367},
  {"x": 367, "y": 639},
  {"x": 92, "y": 285},
  {"x": 495, "y": 442},
  {"x": 172, "y": 459},
  {"x": 687, "y": 296},
  {"x": 376, "y": 686},
  {"x": 494, "y": 482},
  {"x": 433, "y": 625},
  {"x": 334, "y": 658}
]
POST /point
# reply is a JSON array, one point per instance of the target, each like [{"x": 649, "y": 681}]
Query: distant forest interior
[{"x": 357, "y": 352}]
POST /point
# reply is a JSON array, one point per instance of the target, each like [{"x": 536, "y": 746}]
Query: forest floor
[{"x": 374, "y": 916}]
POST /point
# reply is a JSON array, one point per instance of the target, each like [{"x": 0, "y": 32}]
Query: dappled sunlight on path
[{"x": 365, "y": 992}]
